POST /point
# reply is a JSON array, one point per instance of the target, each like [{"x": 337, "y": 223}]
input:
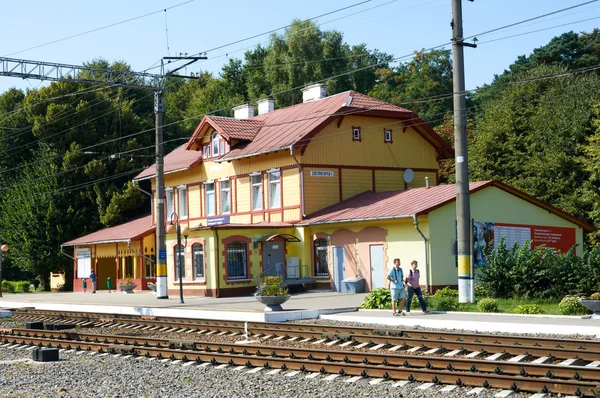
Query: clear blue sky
[{"x": 398, "y": 28}]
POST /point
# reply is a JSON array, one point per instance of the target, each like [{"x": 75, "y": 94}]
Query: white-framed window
[
  {"x": 170, "y": 201},
  {"x": 182, "y": 211},
  {"x": 84, "y": 263},
  {"x": 387, "y": 135},
  {"x": 356, "y": 134},
  {"x": 257, "y": 191},
  {"x": 225, "y": 197},
  {"x": 205, "y": 151},
  {"x": 150, "y": 266},
  {"x": 198, "y": 260},
  {"x": 274, "y": 189},
  {"x": 215, "y": 144},
  {"x": 210, "y": 198},
  {"x": 222, "y": 147},
  {"x": 227, "y": 147}
]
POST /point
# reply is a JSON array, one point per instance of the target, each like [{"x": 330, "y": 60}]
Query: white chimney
[
  {"x": 266, "y": 105},
  {"x": 245, "y": 111},
  {"x": 314, "y": 92}
]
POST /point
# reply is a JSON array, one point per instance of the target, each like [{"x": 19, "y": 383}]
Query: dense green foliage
[
  {"x": 529, "y": 309},
  {"x": 487, "y": 304},
  {"x": 538, "y": 273},
  {"x": 16, "y": 286},
  {"x": 378, "y": 299},
  {"x": 570, "y": 305},
  {"x": 272, "y": 286}
]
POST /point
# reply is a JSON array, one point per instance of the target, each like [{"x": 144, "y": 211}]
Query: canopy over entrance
[{"x": 286, "y": 237}]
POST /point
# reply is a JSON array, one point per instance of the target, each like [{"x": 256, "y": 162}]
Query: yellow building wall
[
  {"x": 194, "y": 201},
  {"x": 389, "y": 180},
  {"x": 488, "y": 205},
  {"x": 355, "y": 181},
  {"x": 291, "y": 187},
  {"x": 419, "y": 179},
  {"x": 334, "y": 145},
  {"x": 243, "y": 194},
  {"x": 320, "y": 192}
]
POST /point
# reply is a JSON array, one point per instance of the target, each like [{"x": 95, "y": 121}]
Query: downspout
[
  {"x": 301, "y": 179},
  {"x": 416, "y": 224},
  {"x": 217, "y": 266}
]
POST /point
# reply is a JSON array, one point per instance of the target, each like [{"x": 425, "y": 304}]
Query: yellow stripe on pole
[
  {"x": 464, "y": 265},
  {"x": 161, "y": 270}
]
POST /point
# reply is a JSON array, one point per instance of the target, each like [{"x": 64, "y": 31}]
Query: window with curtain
[
  {"x": 182, "y": 211},
  {"x": 179, "y": 261},
  {"x": 198, "y": 260},
  {"x": 274, "y": 189},
  {"x": 257, "y": 192},
  {"x": 170, "y": 201},
  {"x": 210, "y": 199},
  {"x": 236, "y": 260},
  {"x": 321, "y": 266},
  {"x": 225, "y": 197},
  {"x": 215, "y": 144}
]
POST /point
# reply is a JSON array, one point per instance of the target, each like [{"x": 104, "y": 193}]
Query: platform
[
  {"x": 478, "y": 322},
  {"x": 299, "y": 306}
]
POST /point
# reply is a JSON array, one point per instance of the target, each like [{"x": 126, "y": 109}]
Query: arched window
[
  {"x": 215, "y": 144},
  {"x": 236, "y": 261},
  {"x": 179, "y": 262},
  {"x": 321, "y": 266},
  {"x": 198, "y": 260}
]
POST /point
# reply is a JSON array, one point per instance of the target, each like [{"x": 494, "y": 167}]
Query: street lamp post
[
  {"x": 3, "y": 249},
  {"x": 180, "y": 264}
]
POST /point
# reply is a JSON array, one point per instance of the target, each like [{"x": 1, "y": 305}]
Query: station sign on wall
[
  {"x": 321, "y": 173},
  {"x": 488, "y": 235}
]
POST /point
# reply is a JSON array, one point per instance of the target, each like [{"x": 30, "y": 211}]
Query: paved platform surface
[
  {"x": 482, "y": 322},
  {"x": 247, "y": 308}
]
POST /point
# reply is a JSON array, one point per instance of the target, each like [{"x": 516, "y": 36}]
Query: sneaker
[{"x": 426, "y": 312}]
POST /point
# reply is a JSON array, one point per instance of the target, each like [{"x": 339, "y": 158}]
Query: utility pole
[
  {"x": 162, "y": 291},
  {"x": 463, "y": 204}
]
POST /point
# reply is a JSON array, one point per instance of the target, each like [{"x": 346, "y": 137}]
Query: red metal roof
[
  {"x": 120, "y": 233},
  {"x": 297, "y": 124},
  {"x": 403, "y": 204},
  {"x": 178, "y": 159}
]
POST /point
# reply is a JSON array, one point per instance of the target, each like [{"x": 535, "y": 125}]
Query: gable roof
[
  {"x": 178, "y": 160},
  {"x": 119, "y": 233},
  {"x": 297, "y": 124},
  {"x": 404, "y": 204}
]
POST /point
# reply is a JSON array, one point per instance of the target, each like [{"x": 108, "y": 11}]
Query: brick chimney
[
  {"x": 314, "y": 93},
  {"x": 245, "y": 111}
]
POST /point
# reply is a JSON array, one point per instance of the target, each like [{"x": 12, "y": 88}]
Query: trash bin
[{"x": 353, "y": 285}]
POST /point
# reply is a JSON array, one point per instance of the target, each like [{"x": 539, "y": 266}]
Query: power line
[{"x": 101, "y": 28}]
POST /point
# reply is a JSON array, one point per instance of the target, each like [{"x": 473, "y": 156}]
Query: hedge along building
[{"x": 257, "y": 193}]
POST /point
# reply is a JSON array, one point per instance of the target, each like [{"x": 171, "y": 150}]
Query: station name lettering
[{"x": 315, "y": 173}]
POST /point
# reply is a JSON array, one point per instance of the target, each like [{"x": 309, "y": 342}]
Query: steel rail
[{"x": 473, "y": 377}]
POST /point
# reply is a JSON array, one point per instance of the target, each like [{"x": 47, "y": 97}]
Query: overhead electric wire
[{"x": 101, "y": 28}]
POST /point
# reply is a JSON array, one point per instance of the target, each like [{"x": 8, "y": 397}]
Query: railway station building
[{"x": 333, "y": 188}]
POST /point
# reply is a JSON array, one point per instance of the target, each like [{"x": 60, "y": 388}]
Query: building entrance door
[
  {"x": 274, "y": 258},
  {"x": 377, "y": 266},
  {"x": 338, "y": 267}
]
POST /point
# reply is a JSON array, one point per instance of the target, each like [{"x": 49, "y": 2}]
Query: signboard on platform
[{"x": 212, "y": 221}]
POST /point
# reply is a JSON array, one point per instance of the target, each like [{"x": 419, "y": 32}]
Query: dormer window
[
  {"x": 215, "y": 144},
  {"x": 387, "y": 136},
  {"x": 356, "y": 134}
]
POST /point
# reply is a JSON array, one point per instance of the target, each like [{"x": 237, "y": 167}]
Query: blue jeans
[{"x": 417, "y": 291}]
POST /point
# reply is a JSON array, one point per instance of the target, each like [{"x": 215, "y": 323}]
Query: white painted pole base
[
  {"x": 161, "y": 287},
  {"x": 463, "y": 290}
]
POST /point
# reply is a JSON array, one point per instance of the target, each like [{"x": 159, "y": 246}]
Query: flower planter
[
  {"x": 152, "y": 286},
  {"x": 273, "y": 303},
  {"x": 127, "y": 288},
  {"x": 592, "y": 305}
]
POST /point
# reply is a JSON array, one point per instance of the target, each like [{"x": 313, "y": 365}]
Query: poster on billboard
[{"x": 489, "y": 235}]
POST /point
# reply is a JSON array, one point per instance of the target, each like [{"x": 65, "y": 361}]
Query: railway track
[{"x": 517, "y": 363}]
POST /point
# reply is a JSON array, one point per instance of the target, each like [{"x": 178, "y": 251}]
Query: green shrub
[
  {"x": 272, "y": 286},
  {"x": 487, "y": 305},
  {"x": 570, "y": 305},
  {"x": 595, "y": 296},
  {"x": 446, "y": 304},
  {"x": 481, "y": 291},
  {"x": 23, "y": 286},
  {"x": 378, "y": 298},
  {"x": 7, "y": 287},
  {"x": 529, "y": 309},
  {"x": 447, "y": 292}
]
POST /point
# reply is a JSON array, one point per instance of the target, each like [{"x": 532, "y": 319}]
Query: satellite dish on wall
[{"x": 409, "y": 175}]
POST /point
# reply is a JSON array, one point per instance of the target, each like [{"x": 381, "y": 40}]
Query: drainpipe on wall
[
  {"x": 416, "y": 224},
  {"x": 217, "y": 266},
  {"x": 301, "y": 179}
]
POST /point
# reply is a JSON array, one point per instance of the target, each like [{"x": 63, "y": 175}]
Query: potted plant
[
  {"x": 152, "y": 286},
  {"x": 592, "y": 303},
  {"x": 127, "y": 286},
  {"x": 272, "y": 293}
]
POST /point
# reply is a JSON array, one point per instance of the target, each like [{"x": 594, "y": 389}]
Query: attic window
[
  {"x": 356, "y": 134},
  {"x": 205, "y": 151},
  {"x": 215, "y": 144},
  {"x": 387, "y": 136}
]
